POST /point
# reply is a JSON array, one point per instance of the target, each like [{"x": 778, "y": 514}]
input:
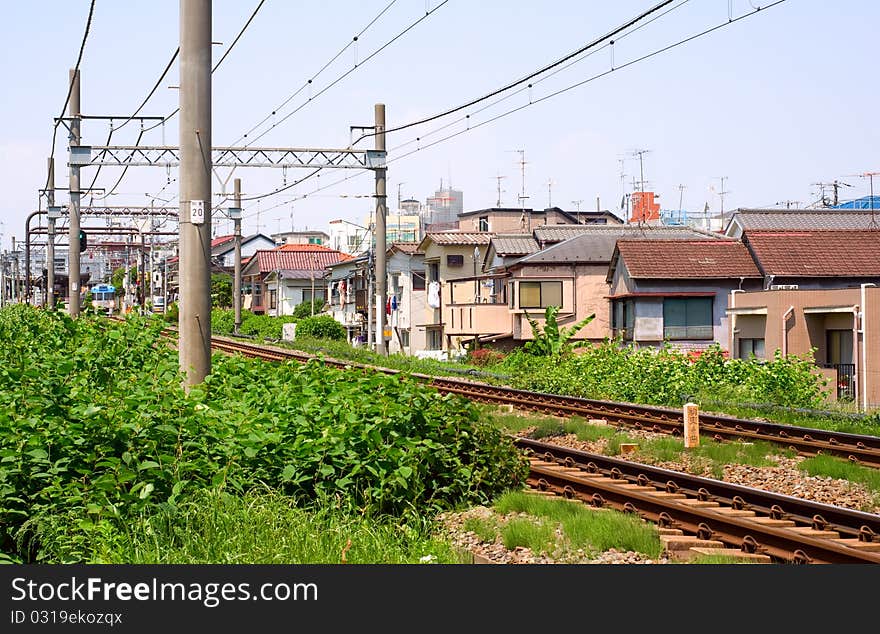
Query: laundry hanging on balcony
[{"x": 434, "y": 294}]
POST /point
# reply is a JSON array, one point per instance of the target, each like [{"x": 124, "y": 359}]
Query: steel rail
[
  {"x": 784, "y": 527},
  {"x": 857, "y": 448}
]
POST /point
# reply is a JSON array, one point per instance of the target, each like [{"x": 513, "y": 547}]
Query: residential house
[
  {"x": 506, "y": 248},
  {"x": 351, "y": 293},
  {"x": 223, "y": 249},
  {"x": 839, "y": 327},
  {"x": 448, "y": 255},
  {"x": 348, "y": 289},
  {"x": 407, "y": 297},
  {"x": 513, "y": 219},
  {"x": 301, "y": 237},
  {"x": 297, "y": 270},
  {"x": 815, "y": 259},
  {"x": 570, "y": 273},
  {"x": 676, "y": 290},
  {"x": 744, "y": 220},
  {"x": 349, "y": 237}
]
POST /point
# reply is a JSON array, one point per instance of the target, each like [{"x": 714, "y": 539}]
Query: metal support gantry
[{"x": 169, "y": 156}]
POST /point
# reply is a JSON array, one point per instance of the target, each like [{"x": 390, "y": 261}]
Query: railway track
[
  {"x": 857, "y": 448},
  {"x": 711, "y": 515}
]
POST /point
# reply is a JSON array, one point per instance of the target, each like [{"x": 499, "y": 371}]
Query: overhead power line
[
  {"x": 217, "y": 65},
  {"x": 707, "y": 31},
  {"x": 315, "y": 76},
  {"x": 124, "y": 123},
  {"x": 348, "y": 72},
  {"x": 530, "y": 76},
  {"x": 82, "y": 48},
  {"x": 165, "y": 72}
]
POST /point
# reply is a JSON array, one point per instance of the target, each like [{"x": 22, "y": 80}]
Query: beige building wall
[
  {"x": 809, "y": 315},
  {"x": 511, "y": 221},
  {"x": 584, "y": 292}
]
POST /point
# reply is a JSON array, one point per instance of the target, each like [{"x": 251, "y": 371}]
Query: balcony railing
[{"x": 688, "y": 332}]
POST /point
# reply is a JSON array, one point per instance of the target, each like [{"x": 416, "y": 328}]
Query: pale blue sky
[{"x": 775, "y": 102}]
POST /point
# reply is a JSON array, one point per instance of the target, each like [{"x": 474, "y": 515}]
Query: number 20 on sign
[{"x": 197, "y": 212}]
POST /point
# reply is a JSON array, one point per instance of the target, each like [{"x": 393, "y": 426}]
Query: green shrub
[
  {"x": 305, "y": 309},
  {"x": 95, "y": 429},
  {"x": 322, "y": 327}
]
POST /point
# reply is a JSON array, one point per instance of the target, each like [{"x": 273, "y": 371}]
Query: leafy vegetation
[
  {"x": 308, "y": 309},
  {"x": 221, "y": 290},
  {"x": 321, "y": 327},
  {"x": 667, "y": 376},
  {"x": 551, "y": 341},
  {"x": 261, "y": 327},
  {"x": 97, "y": 432}
]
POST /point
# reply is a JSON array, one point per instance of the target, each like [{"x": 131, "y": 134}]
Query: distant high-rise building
[
  {"x": 443, "y": 208},
  {"x": 410, "y": 207}
]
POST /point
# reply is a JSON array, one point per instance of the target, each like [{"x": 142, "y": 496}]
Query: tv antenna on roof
[{"x": 499, "y": 178}]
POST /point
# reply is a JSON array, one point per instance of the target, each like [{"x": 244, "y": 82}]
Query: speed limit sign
[{"x": 197, "y": 212}]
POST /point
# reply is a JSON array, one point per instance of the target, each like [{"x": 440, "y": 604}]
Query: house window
[
  {"x": 418, "y": 280},
  {"x": 307, "y": 295},
  {"x": 687, "y": 318},
  {"x": 434, "y": 272},
  {"x": 258, "y": 293},
  {"x": 454, "y": 261},
  {"x": 435, "y": 339},
  {"x": 273, "y": 299},
  {"x": 749, "y": 347},
  {"x": 512, "y": 296},
  {"x": 483, "y": 223},
  {"x": 395, "y": 284},
  {"x": 540, "y": 294},
  {"x": 315, "y": 240},
  {"x": 404, "y": 337},
  {"x": 623, "y": 319},
  {"x": 839, "y": 348}
]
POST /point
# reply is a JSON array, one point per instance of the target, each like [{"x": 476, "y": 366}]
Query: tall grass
[
  {"x": 583, "y": 528},
  {"x": 831, "y": 467},
  {"x": 267, "y": 528}
]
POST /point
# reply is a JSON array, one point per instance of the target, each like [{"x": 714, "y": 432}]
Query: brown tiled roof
[
  {"x": 405, "y": 247},
  {"x": 686, "y": 259},
  {"x": 804, "y": 219},
  {"x": 553, "y": 234},
  {"x": 514, "y": 244},
  {"x": 817, "y": 253},
  {"x": 301, "y": 260},
  {"x": 460, "y": 237}
]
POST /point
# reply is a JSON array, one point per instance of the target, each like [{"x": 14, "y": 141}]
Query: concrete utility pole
[
  {"x": 73, "y": 253},
  {"x": 14, "y": 273},
  {"x": 381, "y": 269},
  {"x": 126, "y": 276},
  {"x": 236, "y": 276},
  {"x": 142, "y": 275},
  {"x": 195, "y": 190},
  {"x": 50, "y": 241}
]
